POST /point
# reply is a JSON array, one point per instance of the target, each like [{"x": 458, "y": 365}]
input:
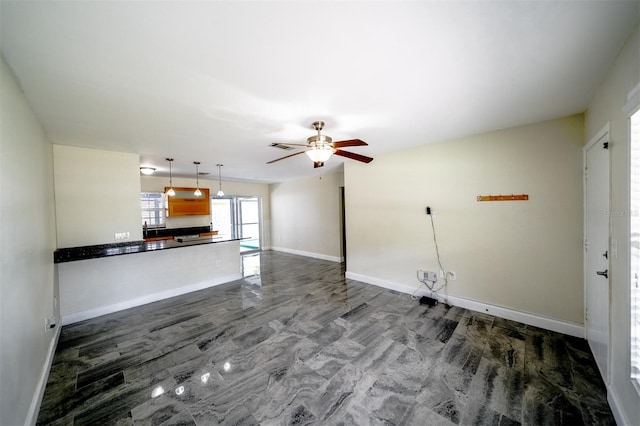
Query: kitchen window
[{"x": 153, "y": 209}]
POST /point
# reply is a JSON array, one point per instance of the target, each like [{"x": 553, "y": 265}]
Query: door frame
[
  {"x": 602, "y": 136},
  {"x": 235, "y": 217},
  {"x": 343, "y": 230},
  {"x": 238, "y": 201}
]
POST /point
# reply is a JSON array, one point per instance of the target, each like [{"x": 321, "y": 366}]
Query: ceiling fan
[{"x": 320, "y": 148}]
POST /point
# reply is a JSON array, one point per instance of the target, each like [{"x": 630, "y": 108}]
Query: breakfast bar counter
[
  {"x": 116, "y": 249},
  {"x": 101, "y": 279}
]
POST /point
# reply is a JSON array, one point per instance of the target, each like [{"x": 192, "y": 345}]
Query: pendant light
[
  {"x": 197, "y": 192},
  {"x": 220, "y": 193},
  {"x": 170, "y": 192}
]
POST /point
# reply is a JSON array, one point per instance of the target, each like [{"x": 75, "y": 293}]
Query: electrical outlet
[
  {"x": 451, "y": 276},
  {"x": 427, "y": 276},
  {"x": 122, "y": 236}
]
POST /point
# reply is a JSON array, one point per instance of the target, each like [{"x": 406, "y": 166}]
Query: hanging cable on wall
[{"x": 429, "y": 279}]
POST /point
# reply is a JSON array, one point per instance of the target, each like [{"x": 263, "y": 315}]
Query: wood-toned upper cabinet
[{"x": 184, "y": 203}]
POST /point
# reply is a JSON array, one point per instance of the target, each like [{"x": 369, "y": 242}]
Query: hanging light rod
[
  {"x": 197, "y": 192},
  {"x": 170, "y": 192},
  {"x": 220, "y": 193}
]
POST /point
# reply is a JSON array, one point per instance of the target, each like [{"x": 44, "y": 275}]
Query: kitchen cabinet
[{"x": 184, "y": 203}]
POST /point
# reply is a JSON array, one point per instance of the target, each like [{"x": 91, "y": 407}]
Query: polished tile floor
[{"x": 294, "y": 342}]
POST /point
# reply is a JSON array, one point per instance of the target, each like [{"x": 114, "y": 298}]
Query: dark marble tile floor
[{"x": 294, "y": 342}]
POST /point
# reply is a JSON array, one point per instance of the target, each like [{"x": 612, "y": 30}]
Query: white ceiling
[{"x": 218, "y": 82}]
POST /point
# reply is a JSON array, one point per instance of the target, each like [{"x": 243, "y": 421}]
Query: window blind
[{"x": 153, "y": 209}]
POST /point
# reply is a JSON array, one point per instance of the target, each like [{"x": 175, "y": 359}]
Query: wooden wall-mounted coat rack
[{"x": 521, "y": 197}]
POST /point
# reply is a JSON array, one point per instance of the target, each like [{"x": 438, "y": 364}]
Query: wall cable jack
[{"x": 49, "y": 323}]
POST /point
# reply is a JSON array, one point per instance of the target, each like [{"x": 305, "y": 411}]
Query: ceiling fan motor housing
[{"x": 319, "y": 141}]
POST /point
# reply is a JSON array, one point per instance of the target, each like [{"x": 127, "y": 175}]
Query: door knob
[{"x": 604, "y": 273}]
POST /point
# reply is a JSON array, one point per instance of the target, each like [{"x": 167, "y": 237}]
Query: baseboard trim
[
  {"x": 616, "y": 407},
  {"x": 564, "y": 327},
  {"x": 104, "y": 310},
  {"x": 308, "y": 254},
  {"x": 34, "y": 407}
]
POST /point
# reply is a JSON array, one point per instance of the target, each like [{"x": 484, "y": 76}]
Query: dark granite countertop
[{"x": 116, "y": 249}]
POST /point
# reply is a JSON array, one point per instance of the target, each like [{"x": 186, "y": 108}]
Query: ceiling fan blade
[
  {"x": 349, "y": 142},
  {"x": 288, "y": 144},
  {"x": 286, "y": 156},
  {"x": 353, "y": 156}
]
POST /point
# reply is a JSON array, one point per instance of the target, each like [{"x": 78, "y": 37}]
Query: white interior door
[{"x": 597, "y": 249}]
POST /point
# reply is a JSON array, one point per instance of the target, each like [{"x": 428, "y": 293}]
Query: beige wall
[
  {"x": 606, "y": 107},
  {"x": 521, "y": 255},
  {"x": 307, "y": 216},
  {"x": 97, "y": 194},
  {"x": 27, "y": 242},
  {"x": 157, "y": 184}
]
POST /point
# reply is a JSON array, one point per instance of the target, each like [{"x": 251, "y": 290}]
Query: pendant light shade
[
  {"x": 220, "y": 193},
  {"x": 170, "y": 192},
  {"x": 197, "y": 192}
]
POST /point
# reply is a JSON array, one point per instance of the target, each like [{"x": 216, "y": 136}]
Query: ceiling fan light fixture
[
  {"x": 319, "y": 148},
  {"x": 319, "y": 153}
]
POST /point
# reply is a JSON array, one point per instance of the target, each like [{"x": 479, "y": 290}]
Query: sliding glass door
[
  {"x": 238, "y": 217},
  {"x": 222, "y": 217},
  {"x": 249, "y": 223}
]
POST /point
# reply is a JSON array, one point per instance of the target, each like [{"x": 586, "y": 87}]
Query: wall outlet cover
[{"x": 427, "y": 276}]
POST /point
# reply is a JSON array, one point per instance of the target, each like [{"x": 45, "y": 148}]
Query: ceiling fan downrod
[{"x": 319, "y": 140}]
